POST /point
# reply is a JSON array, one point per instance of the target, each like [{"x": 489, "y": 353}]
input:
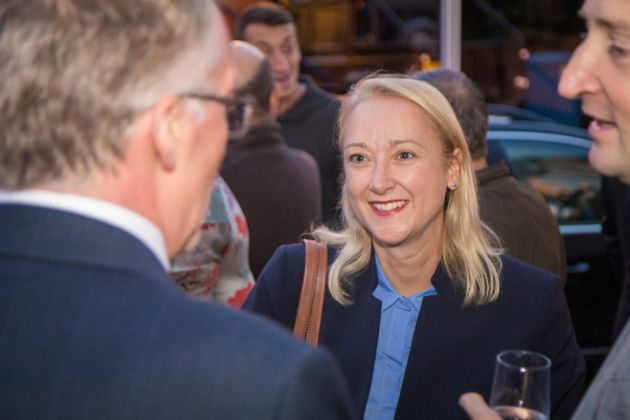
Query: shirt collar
[
  {"x": 386, "y": 293},
  {"x": 103, "y": 211},
  {"x": 492, "y": 172}
]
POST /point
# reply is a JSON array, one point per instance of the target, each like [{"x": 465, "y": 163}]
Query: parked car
[
  {"x": 553, "y": 159},
  {"x": 503, "y": 114},
  {"x": 550, "y": 154}
]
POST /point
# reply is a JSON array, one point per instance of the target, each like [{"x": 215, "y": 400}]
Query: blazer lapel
[
  {"x": 352, "y": 334},
  {"x": 427, "y": 344}
]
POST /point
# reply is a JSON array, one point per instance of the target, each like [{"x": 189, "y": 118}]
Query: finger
[{"x": 476, "y": 407}]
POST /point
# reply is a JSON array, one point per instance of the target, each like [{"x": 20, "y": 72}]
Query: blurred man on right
[{"x": 599, "y": 74}]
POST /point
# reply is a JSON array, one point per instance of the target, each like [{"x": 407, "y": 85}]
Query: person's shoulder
[
  {"x": 302, "y": 160},
  {"x": 315, "y": 95},
  {"x": 529, "y": 289},
  {"x": 291, "y": 252},
  {"x": 229, "y": 336},
  {"x": 283, "y": 268},
  {"x": 496, "y": 180},
  {"x": 295, "y": 253},
  {"x": 239, "y": 326},
  {"x": 520, "y": 277},
  {"x": 259, "y": 368},
  {"x": 530, "y": 195},
  {"x": 284, "y": 271}
]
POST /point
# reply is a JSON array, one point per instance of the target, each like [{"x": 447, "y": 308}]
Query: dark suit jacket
[
  {"x": 616, "y": 229},
  {"x": 91, "y": 327},
  {"x": 453, "y": 349}
]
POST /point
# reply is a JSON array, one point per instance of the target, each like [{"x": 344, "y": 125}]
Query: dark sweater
[
  {"x": 310, "y": 126},
  {"x": 277, "y": 187},
  {"x": 521, "y": 218}
]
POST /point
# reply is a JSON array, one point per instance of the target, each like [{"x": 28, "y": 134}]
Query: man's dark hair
[
  {"x": 266, "y": 13},
  {"x": 467, "y": 102},
  {"x": 259, "y": 87}
]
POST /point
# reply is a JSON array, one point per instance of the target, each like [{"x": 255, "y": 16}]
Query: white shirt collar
[{"x": 104, "y": 211}]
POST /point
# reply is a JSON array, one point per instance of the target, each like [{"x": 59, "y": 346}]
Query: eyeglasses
[{"x": 238, "y": 111}]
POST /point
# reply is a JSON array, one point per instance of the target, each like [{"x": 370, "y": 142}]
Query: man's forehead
[
  {"x": 610, "y": 14},
  {"x": 259, "y": 33}
]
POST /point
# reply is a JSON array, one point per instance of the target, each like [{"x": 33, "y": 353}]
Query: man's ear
[
  {"x": 274, "y": 103},
  {"x": 167, "y": 131}
]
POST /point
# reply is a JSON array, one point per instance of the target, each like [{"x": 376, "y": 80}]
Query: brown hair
[{"x": 263, "y": 12}]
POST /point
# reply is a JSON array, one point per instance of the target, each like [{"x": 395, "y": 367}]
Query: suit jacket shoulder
[{"x": 92, "y": 327}]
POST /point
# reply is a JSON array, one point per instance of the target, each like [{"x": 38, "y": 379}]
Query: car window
[{"x": 561, "y": 173}]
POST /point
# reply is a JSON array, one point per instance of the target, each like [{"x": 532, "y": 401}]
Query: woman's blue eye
[
  {"x": 405, "y": 155},
  {"x": 356, "y": 158}
]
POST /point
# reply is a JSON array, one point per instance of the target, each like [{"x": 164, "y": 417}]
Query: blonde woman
[{"x": 420, "y": 299}]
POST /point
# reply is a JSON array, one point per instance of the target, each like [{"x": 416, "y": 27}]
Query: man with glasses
[{"x": 114, "y": 126}]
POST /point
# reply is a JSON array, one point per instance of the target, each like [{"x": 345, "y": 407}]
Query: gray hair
[{"x": 74, "y": 73}]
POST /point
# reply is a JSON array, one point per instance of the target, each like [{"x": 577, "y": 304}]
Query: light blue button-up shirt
[{"x": 398, "y": 321}]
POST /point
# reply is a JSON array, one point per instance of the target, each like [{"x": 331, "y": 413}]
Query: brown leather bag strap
[{"x": 311, "y": 304}]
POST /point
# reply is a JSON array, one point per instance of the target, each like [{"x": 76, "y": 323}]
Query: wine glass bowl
[{"x": 521, "y": 385}]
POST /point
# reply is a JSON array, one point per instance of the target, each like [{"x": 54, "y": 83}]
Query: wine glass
[{"x": 521, "y": 385}]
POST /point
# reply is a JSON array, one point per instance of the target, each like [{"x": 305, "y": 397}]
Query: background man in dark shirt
[{"x": 308, "y": 115}]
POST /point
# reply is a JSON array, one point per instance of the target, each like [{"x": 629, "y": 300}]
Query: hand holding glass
[{"x": 521, "y": 385}]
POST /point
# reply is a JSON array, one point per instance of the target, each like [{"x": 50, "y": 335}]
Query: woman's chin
[{"x": 390, "y": 241}]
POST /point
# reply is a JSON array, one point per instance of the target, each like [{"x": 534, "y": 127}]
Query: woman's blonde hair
[{"x": 470, "y": 252}]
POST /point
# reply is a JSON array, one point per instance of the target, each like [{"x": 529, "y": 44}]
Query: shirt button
[{"x": 405, "y": 305}]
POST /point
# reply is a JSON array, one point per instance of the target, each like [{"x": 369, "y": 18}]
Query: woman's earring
[{"x": 454, "y": 187}]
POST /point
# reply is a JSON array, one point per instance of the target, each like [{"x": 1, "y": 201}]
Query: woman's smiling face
[{"x": 396, "y": 174}]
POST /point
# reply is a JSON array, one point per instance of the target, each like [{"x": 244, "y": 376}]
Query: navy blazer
[
  {"x": 91, "y": 327},
  {"x": 453, "y": 349}
]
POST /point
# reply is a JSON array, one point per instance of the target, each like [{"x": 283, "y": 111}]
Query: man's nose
[
  {"x": 279, "y": 62},
  {"x": 579, "y": 75}
]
